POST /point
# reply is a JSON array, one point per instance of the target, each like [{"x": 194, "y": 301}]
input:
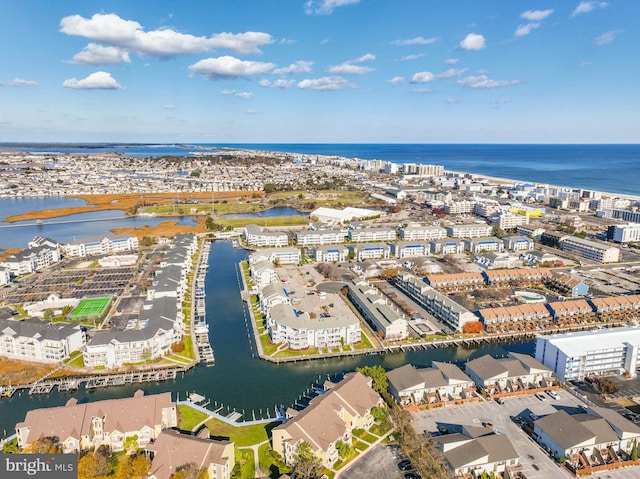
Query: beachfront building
[
  {"x": 517, "y": 372},
  {"x": 359, "y": 235},
  {"x": 39, "y": 341},
  {"x": 447, "y": 246},
  {"x": 378, "y": 311},
  {"x": 595, "y": 437},
  {"x": 471, "y": 230},
  {"x": 592, "y": 250},
  {"x": 628, "y": 233},
  {"x": 330, "y": 254},
  {"x": 574, "y": 356},
  {"x": 100, "y": 246},
  {"x": 110, "y": 423},
  {"x": 521, "y": 317},
  {"x": 419, "y": 232},
  {"x": 173, "y": 451},
  {"x": 365, "y": 251},
  {"x": 455, "y": 281},
  {"x": 329, "y": 418},
  {"x": 441, "y": 306},
  {"x": 409, "y": 249},
  {"x": 297, "y": 329},
  {"x": 477, "y": 450},
  {"x": 480, "y": 245},
  {"x": 319, "y": 237},
  {"x": 254, "y": 235},
  {"x": 158, "y": 327},
  {"x": 443, "y": 382}
]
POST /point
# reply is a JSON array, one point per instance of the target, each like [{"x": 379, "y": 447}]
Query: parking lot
[
  {"x": 535, "y": 462},
  {"x": 381, "y": 459}
]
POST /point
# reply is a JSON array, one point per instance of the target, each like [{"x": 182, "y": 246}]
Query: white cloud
[
  {"x": 482, "y": 81},
  {"x": 605, "y": 38},
  {"x": 94, "y": 54},
  {"x": 421, "y": 90},
  {"x": 415, "y": 41},
  {"x": 473, "y": 41},
  {"x": 396, "y": 81},
  {"x": 19, "y": 82},
  {"x": 169, "y": 107},
  {"x": 240, "y": 94},
  {"x": 586, "y": 63},
  {"x": 451, "y": 72},
  {"x": 536, "y": 15},
  {"x": 422, "y": 77},
  {"x": 95, "y": 81},
  {"x": 524, "y": 30},
  {"x": 131, "y": 36},
  {"x": 408, "y": 58},
  {"x": 229, "y": 67},
  {"x": 325, "y": 7},
  {"x": 325, "y": 83},
  {"x": 300, "y": 66},
  {"x": 280, "y": 83},
  {"x": 586, "y": 7},
  {"x": 451, "y": 61},
  {"x": 352, "y": 67}
]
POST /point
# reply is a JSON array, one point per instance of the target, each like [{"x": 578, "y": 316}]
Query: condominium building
[
  {"x": 447, "y": 246},
  {"x": 319, "y": 237},
  {"x": 408, "y": 249},
  {"x": 371, "y": 251},
  {"x": 29, "y": 260},
  {"x": 478, "y": 245},
  {"x": 254, "y": 235},
  {"x": 574, "y": 356},
  {"x": 99, "y": 246},
  {"x": 624, "y": 233},
  {"x": 592, "y": 250},
  {"x": 412, "y": 233},
  {"x": 518, "y": 243},
  {"x": 459, "y": 207},
  {"x": 378, "y": 311},
  {"x": 330, "y": 254},
  {"x": 372, "y": 234},
  {"x": 508, "y": 220},
  {"x": 449, "y": 282},
  {"x": 471, "y": 230}
]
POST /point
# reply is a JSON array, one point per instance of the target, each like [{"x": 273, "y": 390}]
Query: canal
[{"x": 239, "y": 380}]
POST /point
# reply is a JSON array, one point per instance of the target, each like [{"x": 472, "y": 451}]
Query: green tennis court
[{"x": 89, "y": 307}]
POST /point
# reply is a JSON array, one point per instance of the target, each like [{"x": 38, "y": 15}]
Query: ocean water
[{"x": 612, "y": 168}]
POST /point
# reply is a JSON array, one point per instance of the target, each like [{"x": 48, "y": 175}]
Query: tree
[
  {"x": 48, "y": 314},
  {"x": 344, "y": 450},
  {"x": 634, "y": 451},
  {"x": 45, "y": 445},
  {"x": 189, "y": 471},
  {"x": 378, "y": 375},
  {"x": 93, "y": 465},
  {"x": 472, "y": 327},
  {"x": 379, "y": 413},
  {"x": 134, "y": 467},
  {"x": 306, "y": 464}
]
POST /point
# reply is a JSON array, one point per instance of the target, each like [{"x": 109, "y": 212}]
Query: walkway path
[
  {"x": 362, "y": 454},
  {"x": 258, "y": 474}
]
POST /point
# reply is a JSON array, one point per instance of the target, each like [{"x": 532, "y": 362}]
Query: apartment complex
[
  {"x": 378, "y": 311},
  {"x": 100, "y": 246},
  {"x": 254, "y": 235}
]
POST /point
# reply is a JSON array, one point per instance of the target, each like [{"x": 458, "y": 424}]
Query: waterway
[
  {"x": 18, "y": 237},
  {"x": 239, "y": 380},
  {"x": 270, "y": 213}
]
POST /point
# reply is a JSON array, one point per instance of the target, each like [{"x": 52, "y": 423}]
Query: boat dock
[{"x": 200, "y": 328}]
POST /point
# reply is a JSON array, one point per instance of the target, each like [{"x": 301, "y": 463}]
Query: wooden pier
[{"x": 200, "y": 328}]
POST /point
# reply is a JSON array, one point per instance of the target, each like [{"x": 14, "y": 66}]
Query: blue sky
[{"x": 320, "y": 71}]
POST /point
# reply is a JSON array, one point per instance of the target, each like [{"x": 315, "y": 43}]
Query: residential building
[
  {"x": 419, "y": 232},
  {"x": 519, "y": 277},
  {"x": 508, "y": 221},
  {"x": 476, "y": 450},
  {"x": 287, "y": 325},
  {"x": 320, "y": 237},
  {"x": 5, "y": 276},
  {"x": 629, "y": 233},
  {"x": 447, "y": 246},
  {"x": 100, "y": 246},
  {"x": 574, "y": 356},
  {"x": 497, "y": 260},
  {"x": 277, "y": 256},
  {"x": 31, "y": 260},
  {"x": 596, "y": 437},
  {"x": 515, "y": 373},
  {"x": 521, "y": 317},
  {"x": 531, "y": 231},
  {"x": 622, "y": 214},
  {"x": 618, "y": 308},
  {"x": 172, "y": 451},
  {"x": 329, "y": 418},
  {"x": 518, "y": 243},
  {"x": 367, "y": 251},
  {"x": 360, "y": 235},
  {"x": 572, "y": 312},
  {"x": 471, "y": 230},
  {"x": 272, "y": 294},
  {"x": 408, "y": 249},
  {"x": 592, "y": 250},
  {"x": 568, "y": 285},
  {"x": 254, "y": 235},
  {"x": 442, "y": 382},
  {"x": 39, "y": 341},
  {"x": 263, "y": 273},
  {"x": 455, "y": 281},
  {"x": 378, "y": 311},
  {"x": 82, "y": 426},
  {"x": 479, "y": 245},
  {"x": 330, "y": 254},
  {"x": 441, "y": 306},
  {"x": 459, "y": 208}
]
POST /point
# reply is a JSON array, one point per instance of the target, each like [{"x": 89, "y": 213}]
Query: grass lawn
[
  {"x": 244, "y": 468},
  {"x": 76, "y": 360},
  {"x": 361, "y": 446},
  {"x": 189, "y": 417},
  {"x": 241, "y": 435},
  {"x": 365, "y": 342},
  {"x": 270, "y": 462},
  {"x": 295, "y": 220}
]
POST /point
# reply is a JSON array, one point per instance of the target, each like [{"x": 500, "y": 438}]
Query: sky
[{"x": 320, "y": 71}]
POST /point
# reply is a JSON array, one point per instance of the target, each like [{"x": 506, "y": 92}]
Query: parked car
[
  {"x": 405, "y": 465},
  {"x": 553, "y": 394},
  {"x": 500, "y": 401},
  {"x": 541, "y": 396},
  {"x": 412, "y": 475}
]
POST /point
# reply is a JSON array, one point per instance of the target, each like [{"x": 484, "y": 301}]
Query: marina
[{"x": 200, "y": 326}]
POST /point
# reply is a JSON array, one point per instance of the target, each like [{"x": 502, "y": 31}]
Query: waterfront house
[
  {"x": 101, "y": 245},
  {"x": 173, "y": 451},
  {"x": 272, "y": 294},
  {"x": 263, "y": 273},
  {"x": 329, "y": 418},
  {"x": 110, "y": 423},
  {"x": 30, "y": 260},
  {"x": 254, "y": 235}
]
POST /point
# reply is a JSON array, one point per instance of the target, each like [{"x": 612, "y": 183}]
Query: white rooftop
[{"x": 583, "y": 342}]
